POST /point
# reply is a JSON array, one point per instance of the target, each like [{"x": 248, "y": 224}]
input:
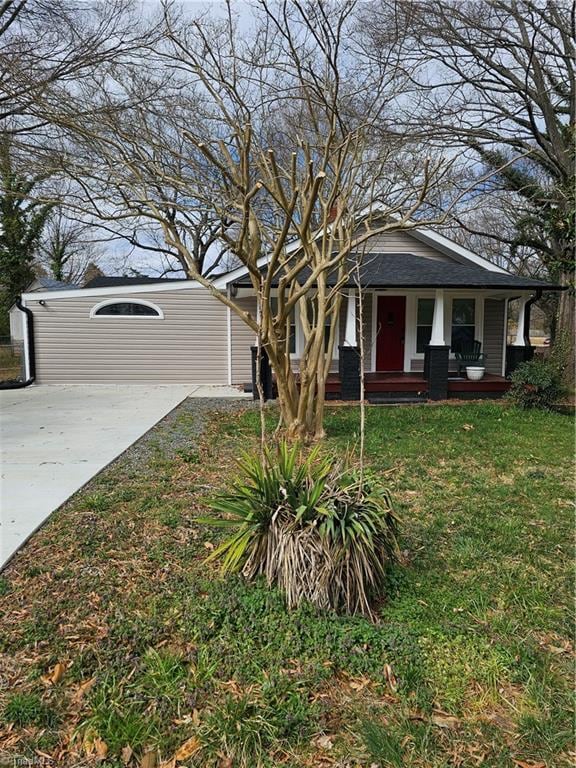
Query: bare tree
[
  {"x": 67, "y": 247},
  {"x": 498, "y": 77},
  {"x": 272, "y": 133},
  {"x": 199, "y": 225},
  {"x": 490, "y": 228},
  {"x": 48, "y": 46}
]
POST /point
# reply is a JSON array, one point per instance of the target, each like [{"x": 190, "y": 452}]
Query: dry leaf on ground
[
  {"x": 100, "y": 747},
  {"x": 56, "y": 674},
  {"x": 324, "y": 742},
  {"x": 149, "y": 759},
  {"x": 390, "y": 678},
  {"x": 83, "y": 688},
  {"x": 188, "y": 749},
  {"x": 445, "y": 721}
]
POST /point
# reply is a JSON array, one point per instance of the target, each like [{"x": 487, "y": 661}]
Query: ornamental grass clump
[{"x": 312, "y": 525}]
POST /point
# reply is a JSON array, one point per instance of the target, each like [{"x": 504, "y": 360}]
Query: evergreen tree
[{"x": 22, "y": 220}]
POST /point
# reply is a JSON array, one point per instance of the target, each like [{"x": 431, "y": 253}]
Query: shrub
[
  {"x": 536, "y": 384},
  {"x": 312, "y": 525}
]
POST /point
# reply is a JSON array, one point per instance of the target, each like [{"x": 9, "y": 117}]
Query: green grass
[
  {"x": 383, "y": 746},
  {"x": 27, "y": 709},
  {"x": 470, "y": 663}
]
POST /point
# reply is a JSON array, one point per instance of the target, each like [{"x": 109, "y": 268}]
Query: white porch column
[
  {"x": 519, "y": 341},
  {"x": 437, "y": 338},
  {"x": 350, "y": 337}
]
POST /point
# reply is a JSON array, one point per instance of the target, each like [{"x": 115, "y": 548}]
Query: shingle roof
[
  {"x": 406, "y": 270},
  {"x": 113, "y": 282}
]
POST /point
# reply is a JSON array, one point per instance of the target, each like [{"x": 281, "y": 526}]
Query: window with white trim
[
  {"x": 424, "y": 318},
  {"x": 130, "y": 308},
  {"x": 463, "y": 323}
]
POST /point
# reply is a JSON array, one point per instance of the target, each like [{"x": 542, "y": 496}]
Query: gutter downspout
[
  {"x": 29, "y": 352},
  {"x": 527, "y": 311}
]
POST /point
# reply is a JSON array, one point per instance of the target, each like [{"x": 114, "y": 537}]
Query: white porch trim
[
  {"x": 351, "y": 336},
  {"x": 505, "y": 341},
  {"x": 437, "y": 337},
  {"x": 229, "y": 340},
  {"x": 519, "y": 341}
]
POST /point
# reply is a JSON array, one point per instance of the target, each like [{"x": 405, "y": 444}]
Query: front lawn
[{"x": 120, "y": 645}]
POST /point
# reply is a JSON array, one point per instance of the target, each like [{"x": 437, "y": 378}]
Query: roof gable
[{"x": 454, "y": 250}]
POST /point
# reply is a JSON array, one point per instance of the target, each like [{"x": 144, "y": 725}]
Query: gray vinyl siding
[
  {"x": 399, "y": 242},
  {"x": 493, "y": 347},
  {"x": 188, "y": 346},
  {"x": 417, "y": 365},
  {"x": 243, "y": 338}
]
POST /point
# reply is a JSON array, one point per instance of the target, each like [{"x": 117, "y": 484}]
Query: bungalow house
[{"x": 424, "y": 296}]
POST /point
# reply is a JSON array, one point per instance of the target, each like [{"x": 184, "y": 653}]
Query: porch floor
[{"x": 416, "y": 383}]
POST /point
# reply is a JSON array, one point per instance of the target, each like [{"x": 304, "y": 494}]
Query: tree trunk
[
  {"x": 301, "y": 403},
  {"x": 565, "y": 329}
]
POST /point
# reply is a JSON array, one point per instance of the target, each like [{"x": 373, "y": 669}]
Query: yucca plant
[{"x": 312, "y": 525}]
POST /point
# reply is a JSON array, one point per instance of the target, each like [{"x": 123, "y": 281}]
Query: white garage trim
[
  {"x": 229, "y": 335},
  {"x": 26, "y": 342},
  {"x": 116, "y": 290}
]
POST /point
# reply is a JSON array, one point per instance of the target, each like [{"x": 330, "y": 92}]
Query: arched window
[{"x": 131, "y": 308}]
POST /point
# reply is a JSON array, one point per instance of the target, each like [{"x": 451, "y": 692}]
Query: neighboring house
[
  {"x": 423, "y": 294},
  {"x": 102, "y": 281},
  {"x": 38, "y": 284}
]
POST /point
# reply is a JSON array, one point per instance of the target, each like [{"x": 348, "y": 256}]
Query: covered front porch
[
  {"x": 412, "y": 340},
  {"x": 422, "y": 341}
]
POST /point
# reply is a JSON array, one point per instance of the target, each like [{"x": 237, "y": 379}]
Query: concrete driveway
[{"x": 53, "y": 439}]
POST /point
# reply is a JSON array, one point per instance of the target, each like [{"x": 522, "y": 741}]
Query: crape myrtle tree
[
  {"x": 272, "y": 132},
  {"x": 497, "y": 78}
]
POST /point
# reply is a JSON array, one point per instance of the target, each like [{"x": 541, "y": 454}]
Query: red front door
[{"x": 390, "y": 329}]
